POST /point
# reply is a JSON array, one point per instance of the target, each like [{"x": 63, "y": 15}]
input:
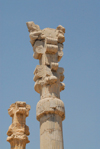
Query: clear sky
[{"x": 81, "y": 61}]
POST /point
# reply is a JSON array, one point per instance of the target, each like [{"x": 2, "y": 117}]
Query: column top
[
  {"x": 18, "y": 130},
  {"x": 37, "y": 34},
  {"x": 19, "y": 107}
]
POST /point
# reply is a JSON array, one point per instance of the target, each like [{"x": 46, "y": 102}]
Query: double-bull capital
[{"x": 48, "y": 48}]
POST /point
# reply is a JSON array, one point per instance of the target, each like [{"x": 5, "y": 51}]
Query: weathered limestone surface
[
  {"x": 18, "y": 130},
  {"x": 51, "y": 132},
  {"x": 48, "y": 76}
]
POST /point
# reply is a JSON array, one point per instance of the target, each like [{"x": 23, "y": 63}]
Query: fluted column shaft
[
  {"x": 51, "y": 136},
  {"x": 50, "y": 113}
]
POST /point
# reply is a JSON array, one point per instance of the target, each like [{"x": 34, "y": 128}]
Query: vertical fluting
[
  {"x": 48, "y": 76},
  {"x": 50, "y": 113},
  {"x": 18, "y": 130},
  {"x": 51, "y": 132}
]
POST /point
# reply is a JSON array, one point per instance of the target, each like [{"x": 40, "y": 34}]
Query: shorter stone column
[{"x": 18, "y": 130}]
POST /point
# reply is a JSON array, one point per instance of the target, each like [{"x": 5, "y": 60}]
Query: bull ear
[
  {"x": 32, "y": 26},
  {"x": 28, "y": 107},
  {"x": 60, "y": 27}
]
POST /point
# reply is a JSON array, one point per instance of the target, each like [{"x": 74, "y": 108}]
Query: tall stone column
[
  {"x": 48, "y": 76},
  {"x": 18, "y": 130}
]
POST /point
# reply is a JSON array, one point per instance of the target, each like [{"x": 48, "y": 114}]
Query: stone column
[
  {"x": 18, "y": 130},
  {"x": 48, "y": 76}
]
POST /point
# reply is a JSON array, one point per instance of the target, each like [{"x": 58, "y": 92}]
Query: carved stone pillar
[
  {"x": 48, "y": 76},
  {"x": 18, "y": 130}
]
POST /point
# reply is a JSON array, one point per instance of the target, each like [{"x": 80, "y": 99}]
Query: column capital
[{"x": 18, "y": 130}]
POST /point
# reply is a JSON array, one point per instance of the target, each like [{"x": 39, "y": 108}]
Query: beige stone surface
[
  {"x": 18, "y": 130},
  {"x": 51, "y": 136},
  {"x": 50, "y": 106},
  {"x": 48, "y": 76}
]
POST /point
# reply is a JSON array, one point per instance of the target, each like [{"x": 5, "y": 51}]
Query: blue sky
[{"x": 81, "y": 61}]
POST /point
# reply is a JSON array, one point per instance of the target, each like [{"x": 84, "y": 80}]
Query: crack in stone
[{"x": 49, "y": 130}]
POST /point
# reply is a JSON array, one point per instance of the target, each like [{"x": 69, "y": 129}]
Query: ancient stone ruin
[
  {"x": 18, "y": 130},
  {"x": 48, "y": 76}
]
